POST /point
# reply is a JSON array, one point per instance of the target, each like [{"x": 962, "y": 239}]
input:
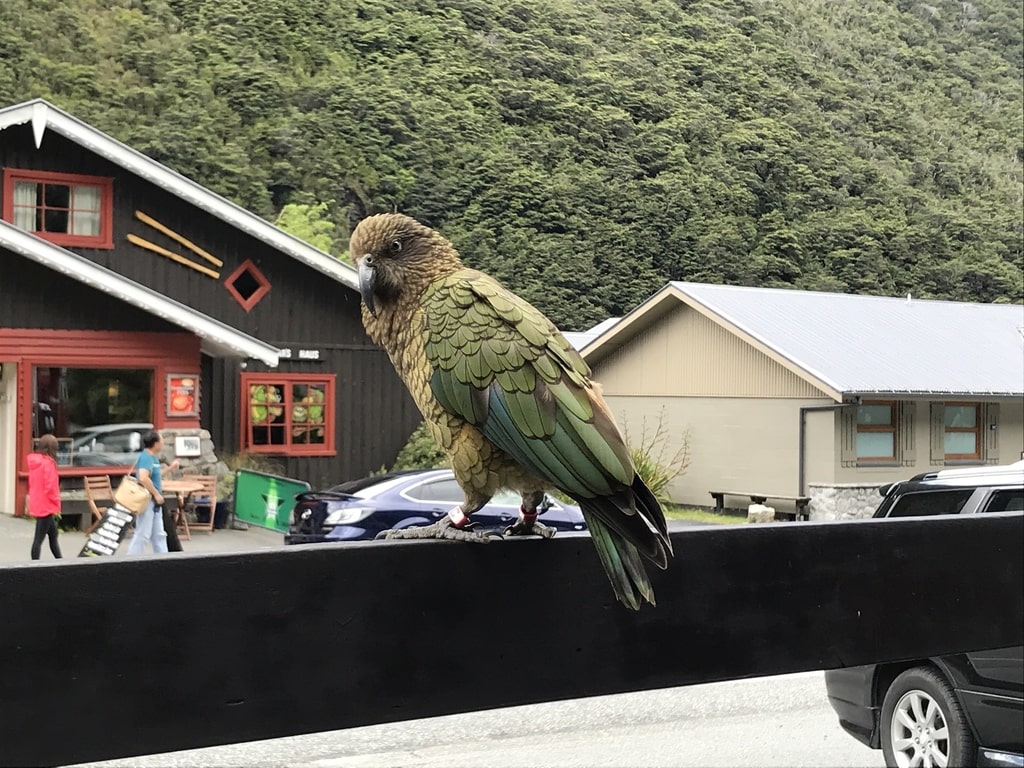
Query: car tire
[{"x": 922, "y": 719}]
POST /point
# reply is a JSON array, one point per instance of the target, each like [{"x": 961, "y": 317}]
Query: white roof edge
[
  {"x": 217, "y": 336},
  {"x": 622, "y": 324},
  {"x": 44, "y": 115},
  {"x": 710, "y": 306},
  {"x": 934, "y": 392}
]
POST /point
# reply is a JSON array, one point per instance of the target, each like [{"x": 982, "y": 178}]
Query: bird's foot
[
  {"x": 442, "y": 529},
  {"x": 527, "y": 525}
]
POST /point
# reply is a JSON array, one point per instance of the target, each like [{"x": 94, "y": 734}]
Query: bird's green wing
[{"x": 504, "y": 367}]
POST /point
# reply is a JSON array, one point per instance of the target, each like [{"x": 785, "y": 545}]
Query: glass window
[
  {"x": 876, "y": 431},
  {"x": 875, "y": 444},
  {"x": 1008, "y": 500},
  {"x": 962, "y": 438},
  {"x": 288, "y": 414},
  {"x": 64, "y": 208},
  {"x": 877, "y": 415},
  {"x": 965, "y": 416},
  {"x": 444, "y": 491},
  {"x": 947, "y": 502},
  {"x": 247, "y": 285},
  {"x": 101, "y": 412}
]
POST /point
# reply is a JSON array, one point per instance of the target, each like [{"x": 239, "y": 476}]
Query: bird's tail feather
[
  {"x": 627, "y": 528},
  {"x": 621, "y": 561},
  {"x": 650, "y": 509},
  {"x": 635, "y": 515}
]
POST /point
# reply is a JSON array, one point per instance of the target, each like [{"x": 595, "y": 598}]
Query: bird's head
[{"x": 397, "y": 255}]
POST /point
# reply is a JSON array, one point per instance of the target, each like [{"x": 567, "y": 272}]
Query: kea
[{"x": 506, "y": 397}]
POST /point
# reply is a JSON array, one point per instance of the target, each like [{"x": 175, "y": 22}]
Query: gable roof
[
  {"x": 848, "y": 345},
  {"x": 218, "y": 339},
  {"x": 580, "y": 339},
  {"x": 44, "y": 116}
]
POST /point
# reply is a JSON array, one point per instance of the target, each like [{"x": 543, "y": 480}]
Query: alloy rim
[{"x": 919, "y": 733}]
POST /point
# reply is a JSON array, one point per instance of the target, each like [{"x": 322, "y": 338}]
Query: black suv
[{"x": 963, "y": 709}]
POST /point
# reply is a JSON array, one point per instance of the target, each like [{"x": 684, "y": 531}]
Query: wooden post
[
  {"x": 136, "y": 240},
  {"x": 178, "y": 238}
]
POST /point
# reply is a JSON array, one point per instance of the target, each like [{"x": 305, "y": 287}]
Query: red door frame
[{"x": 164, "y": 353}]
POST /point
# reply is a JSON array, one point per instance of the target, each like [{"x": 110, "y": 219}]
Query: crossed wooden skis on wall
[{"x": 142, "y": 243}]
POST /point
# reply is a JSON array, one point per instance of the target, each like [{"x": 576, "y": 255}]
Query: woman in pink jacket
[{"x": 44, "y": 494}]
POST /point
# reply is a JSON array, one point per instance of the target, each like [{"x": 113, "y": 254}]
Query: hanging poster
[{"x": 182, "y": 397}]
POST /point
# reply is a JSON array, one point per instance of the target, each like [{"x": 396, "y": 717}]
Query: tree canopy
[{"x": 582, "y": 151}]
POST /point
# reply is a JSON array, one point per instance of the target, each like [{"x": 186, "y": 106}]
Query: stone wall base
[
  {"x": 206, "y": 463},
  {"x": 842, "y": 501}
]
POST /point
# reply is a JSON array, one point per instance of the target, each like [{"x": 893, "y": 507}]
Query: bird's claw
[
  {"x": 523, "y": 527},
  {"x": 442, "y": 529}
]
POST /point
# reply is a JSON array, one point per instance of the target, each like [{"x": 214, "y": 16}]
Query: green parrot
[{"x": 506, "y": 397}]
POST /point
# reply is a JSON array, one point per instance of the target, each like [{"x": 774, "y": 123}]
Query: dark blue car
[{"x": 360, "y": 509}]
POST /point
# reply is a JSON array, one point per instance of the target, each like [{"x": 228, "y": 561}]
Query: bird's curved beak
[{"x": 366, "y": 283}]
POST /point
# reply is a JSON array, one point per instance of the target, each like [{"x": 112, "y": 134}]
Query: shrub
[
  {"x": 420, "y": 451},
  {"x": 257, "y": 462},
  {"x": 656, "y": 463}
]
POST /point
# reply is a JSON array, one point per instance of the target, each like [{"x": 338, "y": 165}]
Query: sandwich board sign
[
  {"x": 266, "y": 500},
  {"x": 106, "y": 537}
]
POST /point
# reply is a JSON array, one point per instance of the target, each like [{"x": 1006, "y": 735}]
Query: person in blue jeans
[{"x": 149, "y": 524}]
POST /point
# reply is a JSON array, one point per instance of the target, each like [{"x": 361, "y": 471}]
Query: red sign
[{"x": 182, "y": 398}]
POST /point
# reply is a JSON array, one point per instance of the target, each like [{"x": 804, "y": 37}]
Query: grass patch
[{"x": 673, "y": 512}]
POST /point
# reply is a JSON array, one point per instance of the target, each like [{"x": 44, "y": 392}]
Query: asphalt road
[{"x": 773, "y": 721}]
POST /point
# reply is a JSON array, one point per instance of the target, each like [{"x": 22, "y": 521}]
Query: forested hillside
[{"x": 584, "y": 151}]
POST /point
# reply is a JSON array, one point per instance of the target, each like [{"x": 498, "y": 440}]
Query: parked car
[
  {"x": 961, "y": 709},
  {"x": 106, "y": 445},
  {"x": 360, "y": 509}
]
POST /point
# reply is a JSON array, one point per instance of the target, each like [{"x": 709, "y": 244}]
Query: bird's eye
[{"x": 396, "y": 246}]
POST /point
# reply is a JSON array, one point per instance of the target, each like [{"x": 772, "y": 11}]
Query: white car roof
[{"x": 993, "y": 475}]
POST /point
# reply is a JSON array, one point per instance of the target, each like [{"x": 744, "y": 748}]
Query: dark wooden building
[{"x": 131, "y": 294}]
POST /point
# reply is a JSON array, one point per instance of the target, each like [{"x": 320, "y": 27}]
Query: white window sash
[
  {"x": 85, "y": 210},
  {"x": 25, "y": 193}
]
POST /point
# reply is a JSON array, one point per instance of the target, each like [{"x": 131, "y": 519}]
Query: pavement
[{"x": 16, "y": 541}]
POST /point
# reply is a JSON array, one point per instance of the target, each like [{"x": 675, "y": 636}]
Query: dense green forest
[{"x": 583, "y": 151}]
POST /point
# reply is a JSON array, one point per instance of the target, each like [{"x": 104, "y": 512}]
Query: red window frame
[
  {"x": 285, "y": 433},
  {"x": 259, "y": 277},
  {"x": 105, "y": 239}
]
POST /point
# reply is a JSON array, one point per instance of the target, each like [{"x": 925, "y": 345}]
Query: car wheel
[{"x": 923, "y": 724}]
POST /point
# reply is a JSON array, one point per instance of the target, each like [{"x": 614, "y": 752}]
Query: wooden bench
[{"x": 801, "y": 502}]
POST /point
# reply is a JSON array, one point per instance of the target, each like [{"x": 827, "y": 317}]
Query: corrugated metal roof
[
  {"x": 872, "y": 344},
  {"x": 580, "y": 339}
]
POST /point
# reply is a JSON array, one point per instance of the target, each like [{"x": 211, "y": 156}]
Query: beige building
[{"x": 796, "y": 393}]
